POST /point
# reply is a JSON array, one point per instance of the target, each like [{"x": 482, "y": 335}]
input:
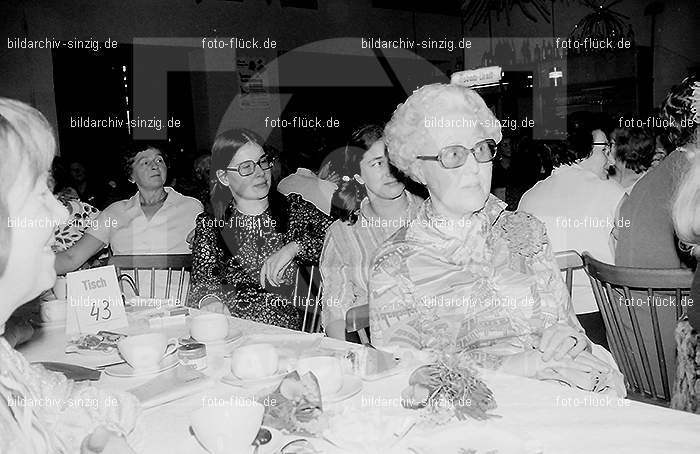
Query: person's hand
[
  {"x": 104, "y": 441},
  {"x": 211, "y": 303},
  {"x": 560, "y": 340},
  {"x": 190, "y": 238},
  {"x": 17, "y": 331},
  {"x": 333, "y": 177},
  {"x": 531, "y": 363},
  {"x": 274, "y": 267}
]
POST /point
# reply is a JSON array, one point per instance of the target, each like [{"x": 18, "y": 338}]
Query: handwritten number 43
[{"x": 104, "y": 313}]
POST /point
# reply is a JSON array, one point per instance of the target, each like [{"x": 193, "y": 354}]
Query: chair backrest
[
  {"x": 307, "y": 297},
  {"x": 357, "y": 321},
  {"x": 180, "y": 263},
  {"x": 568, "y": 261},
  {"x": 640, "y": 308}
]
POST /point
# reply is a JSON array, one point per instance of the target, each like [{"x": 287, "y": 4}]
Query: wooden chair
[
  {"x": 357, "y": 321},
  {"x": 180, "y": 263},
  {"x": 641, "y": 338},
  {"x": 568, "y": 261},
  {"x": 307, "y": 297}
]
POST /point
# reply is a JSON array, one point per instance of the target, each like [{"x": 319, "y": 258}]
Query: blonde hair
[
  {"x": 687, "y": 203},
  {"x": 26, "y": 139}
]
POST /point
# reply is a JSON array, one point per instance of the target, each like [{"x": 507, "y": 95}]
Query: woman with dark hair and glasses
[
  {"x": 370, "y": 204},
  {"x": 466, "y": 276},
  {"x": 246, "y": 255}
]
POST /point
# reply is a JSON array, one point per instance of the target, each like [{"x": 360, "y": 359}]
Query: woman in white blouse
[{"x": 155, "y": 220}]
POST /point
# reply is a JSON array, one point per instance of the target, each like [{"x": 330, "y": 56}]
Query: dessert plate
[
  {"x": 277, "y": 441},
  {"x": 126, "y": 371},
  {"x": 232, "y": 336},
  {"x": 352, "y": 385},
  {"x": 232, "y": 379}
]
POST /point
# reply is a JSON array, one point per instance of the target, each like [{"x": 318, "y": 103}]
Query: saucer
[
  {"x": 352, "y": 385},
  {"x": 277, "y": 441},
  {"x": 232, "y": 336},
  {"x": 231, "y": 379},
  {"x": 126, "y": 371}
]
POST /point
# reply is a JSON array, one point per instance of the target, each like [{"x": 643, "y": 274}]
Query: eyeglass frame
[
  {"x": 146, "y": 163},
  {"x": 270, "y": 158},
  {"x": 471, "y": 151}
]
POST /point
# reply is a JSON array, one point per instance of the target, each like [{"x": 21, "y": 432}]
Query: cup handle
[{"x": 174, "y": 343}]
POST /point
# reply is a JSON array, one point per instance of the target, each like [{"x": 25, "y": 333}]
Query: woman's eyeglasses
[
  {"x": 453, "y": 156},
  {"x": 147, "y": 163},
  {"x": 247, "y": 168}
]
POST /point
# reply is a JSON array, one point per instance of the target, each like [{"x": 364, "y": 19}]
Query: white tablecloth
[{"x": 556, "y": 419}]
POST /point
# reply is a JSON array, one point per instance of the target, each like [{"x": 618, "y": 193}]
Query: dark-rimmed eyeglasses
[
  {"x": 453, "y": 156},
  {"x": 247, "y": 168}
]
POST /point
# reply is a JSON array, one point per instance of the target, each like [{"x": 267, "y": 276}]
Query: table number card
[{"x": 95, "y": 302}]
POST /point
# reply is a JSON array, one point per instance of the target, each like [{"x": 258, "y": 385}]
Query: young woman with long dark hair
[
  {"x": 246, "y": 255},
  {"x": 370, "y": 204}
]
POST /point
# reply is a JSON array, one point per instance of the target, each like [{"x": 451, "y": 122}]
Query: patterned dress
[
  {"x": 490, "y": 285},
  {"x": 80, "y": 218},
  {"x": 227, "y": 256}
]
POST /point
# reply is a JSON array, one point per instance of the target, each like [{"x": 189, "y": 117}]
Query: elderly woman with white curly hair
[{"x": 466, "y": 275}]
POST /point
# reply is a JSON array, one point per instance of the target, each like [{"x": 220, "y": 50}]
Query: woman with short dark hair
[
  {"x": 155, "y": 220},
  {"x": 632, "y": 149}
]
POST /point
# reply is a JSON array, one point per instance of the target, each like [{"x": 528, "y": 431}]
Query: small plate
[
  {"x": 231, "y": 379},
  {"x": 277, "y": 441},
  {"x": 401, "y": 366},
  {"x": 352, "y": 385},
  {"x": 126, "y": 371},
  {"x": 232, "y": 336}
]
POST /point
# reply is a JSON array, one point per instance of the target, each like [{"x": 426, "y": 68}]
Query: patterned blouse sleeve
[
  {"x": 307, "y": 227},
  {"x": 338, "y": 295},
  {"x": 391, "y": 298},
  {"x": 527, "y": 237},
  {"x": 207, "y": 276}
]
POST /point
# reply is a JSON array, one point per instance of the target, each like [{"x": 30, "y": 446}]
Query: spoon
[{"x": 263, "y": 437}]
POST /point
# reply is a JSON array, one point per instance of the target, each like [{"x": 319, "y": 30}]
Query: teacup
[
  {"x": 145, "y": 351},
  {"x": 254, "y": 361},
  {"x": 53, "y": 311},
  {"x": 328, "y": 372},
  {"x": 209, "y": 327},
  {"x": 228, "y": 429}
]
